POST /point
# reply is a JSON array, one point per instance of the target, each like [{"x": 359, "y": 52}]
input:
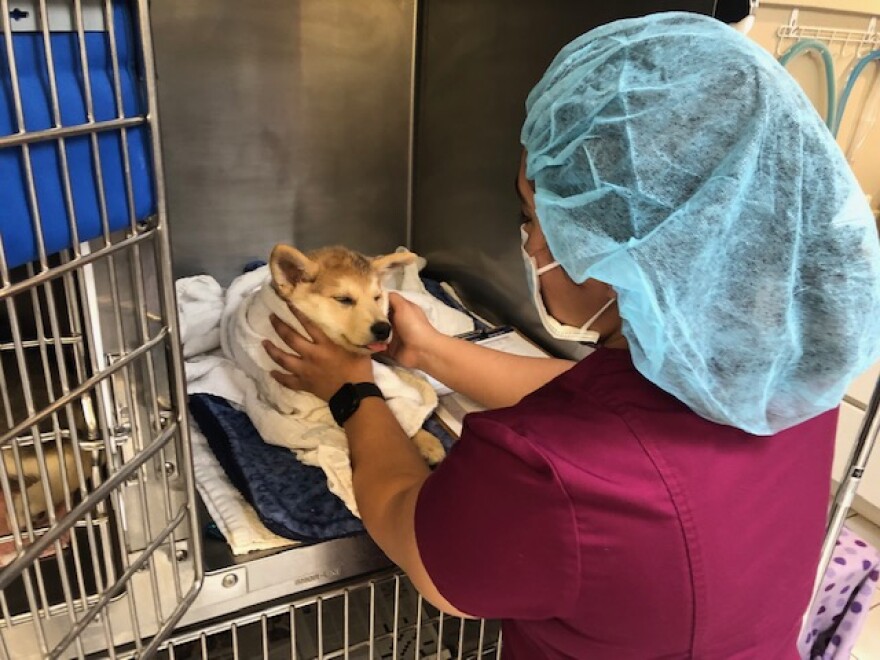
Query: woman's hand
[
  {"x": 413, "y": 333},
  {"x": 321, "y": 367}
]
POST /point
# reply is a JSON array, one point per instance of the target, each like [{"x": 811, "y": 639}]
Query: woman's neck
[{"x": 615, "y": 340}]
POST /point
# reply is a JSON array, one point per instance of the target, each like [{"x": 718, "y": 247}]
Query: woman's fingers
[
  {"x": 290, "y": 381},
  {"x": 289, "y": 336},
  {"x": 397, "y": 303},
  {"x": 283, "y": 359}
]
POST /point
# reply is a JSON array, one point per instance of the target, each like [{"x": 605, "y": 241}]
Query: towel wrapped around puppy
[{"x": 300, "y": 421}]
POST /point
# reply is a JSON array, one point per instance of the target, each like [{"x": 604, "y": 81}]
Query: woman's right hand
[{"x": 412, "y": 335}]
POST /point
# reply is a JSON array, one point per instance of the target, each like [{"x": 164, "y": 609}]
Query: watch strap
[
  {"x": 348, "y": 398},
  {"x": 364, "y": 390}
]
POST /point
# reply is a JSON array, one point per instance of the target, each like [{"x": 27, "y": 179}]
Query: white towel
[
  {"x": 214, "y": 373},
  {"x": 200, "y": 302},
  {"x": 446, "y": 319},
  {"x": 296, "y": 420},
  {"x": 199, "y": 305},
  {"x": 234, "y": 517}
]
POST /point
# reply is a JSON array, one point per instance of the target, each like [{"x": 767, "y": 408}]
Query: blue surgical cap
[{"x": 678, "y": 162}]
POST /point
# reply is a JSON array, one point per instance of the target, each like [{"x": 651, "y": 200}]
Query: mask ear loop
[
  {"x": 546, "y": 269},
  {"x": 585, "y": 327},
  {"x": 592, "y": 320}
]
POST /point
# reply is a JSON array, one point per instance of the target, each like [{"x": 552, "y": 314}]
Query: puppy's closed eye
[{"x": 348, "y": 301}]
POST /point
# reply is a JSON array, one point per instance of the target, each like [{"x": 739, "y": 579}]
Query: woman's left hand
[{"x": 321, "y": 367}]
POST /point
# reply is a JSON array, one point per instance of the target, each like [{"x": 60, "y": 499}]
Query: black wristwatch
[{"x": 345, "y": 402}]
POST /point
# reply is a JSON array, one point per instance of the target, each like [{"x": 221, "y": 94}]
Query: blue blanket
[{"x": 291, "y": 499}]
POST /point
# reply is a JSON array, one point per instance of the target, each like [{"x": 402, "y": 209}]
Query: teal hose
[
  {"x": 830, "y": 84},
  {"x": 850, "y": 83}
]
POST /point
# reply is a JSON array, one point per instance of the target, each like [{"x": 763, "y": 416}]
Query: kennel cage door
[{"x": 98, "y": 524}]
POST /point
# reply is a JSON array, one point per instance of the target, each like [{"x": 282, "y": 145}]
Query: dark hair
[{"x": 732, "y": 11}]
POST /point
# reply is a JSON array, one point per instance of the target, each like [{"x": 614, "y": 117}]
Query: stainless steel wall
[
  {"x": 283, "y": 121},
  {"x": 478, "y": 61}
]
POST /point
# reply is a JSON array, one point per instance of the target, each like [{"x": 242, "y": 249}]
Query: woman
[{"x": 665, "y": 496}]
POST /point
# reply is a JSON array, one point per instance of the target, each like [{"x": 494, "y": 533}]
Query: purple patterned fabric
[{"x": 840, "y": 612}]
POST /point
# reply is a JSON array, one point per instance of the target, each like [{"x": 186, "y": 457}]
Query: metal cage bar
[
  {"x": 376, "y": 617},
  {"x": 847, "y": 489},
  {"x": 99, "y": 542}
]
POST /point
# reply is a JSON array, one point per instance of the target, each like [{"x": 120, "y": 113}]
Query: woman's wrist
[{"x": 433, "y": 353}]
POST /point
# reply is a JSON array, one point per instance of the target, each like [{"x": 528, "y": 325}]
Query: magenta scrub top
[{"x": 602, "y": 519}]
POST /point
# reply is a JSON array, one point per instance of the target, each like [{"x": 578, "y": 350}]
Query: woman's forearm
[
  {"x": 387, "y": 475},
  {"x": 385, "y": 467},
  {"x": 491, "y": 378}
]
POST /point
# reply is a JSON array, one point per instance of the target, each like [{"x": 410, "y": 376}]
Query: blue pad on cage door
[{"x": 17, "y": 217}]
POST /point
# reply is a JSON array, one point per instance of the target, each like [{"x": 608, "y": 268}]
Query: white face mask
[{"x": 555, "y": 328}]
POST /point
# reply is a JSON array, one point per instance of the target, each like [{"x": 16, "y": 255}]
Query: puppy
[{"x": 340, "y": 291}]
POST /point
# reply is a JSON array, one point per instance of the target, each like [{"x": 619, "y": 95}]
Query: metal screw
[
  {"x": 230, "y": 580},
  {"x": 181, "y": 554},
  {"x": 169, "y": 468}
]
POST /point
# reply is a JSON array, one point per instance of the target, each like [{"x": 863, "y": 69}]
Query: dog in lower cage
[{"x": 341, "y": 291}]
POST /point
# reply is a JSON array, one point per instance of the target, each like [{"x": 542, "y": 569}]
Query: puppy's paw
[{"x": 429, "y": 447}]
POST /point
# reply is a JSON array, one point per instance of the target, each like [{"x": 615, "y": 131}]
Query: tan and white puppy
[{"x": 342, "y": 292}]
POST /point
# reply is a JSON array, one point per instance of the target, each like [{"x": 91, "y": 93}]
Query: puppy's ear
[
  {"x": 290, "y": 267},
  {"x": 389, "y": 262}
]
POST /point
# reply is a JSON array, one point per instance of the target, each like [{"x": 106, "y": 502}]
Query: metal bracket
[
  {"x": 121, "y": 424},
  {"x": 863, "y": 41}
]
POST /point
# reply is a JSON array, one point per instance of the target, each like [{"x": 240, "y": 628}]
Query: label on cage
[{"x": 24, "y": 16}]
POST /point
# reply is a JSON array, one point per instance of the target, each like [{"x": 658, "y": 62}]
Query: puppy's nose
[{"x": 381, "y": 330}]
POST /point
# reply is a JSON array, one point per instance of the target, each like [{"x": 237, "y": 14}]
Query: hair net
[{"x": 678, "y": 162}]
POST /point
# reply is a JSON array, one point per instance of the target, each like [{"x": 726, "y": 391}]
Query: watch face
[{"x": 346, "y": 401}]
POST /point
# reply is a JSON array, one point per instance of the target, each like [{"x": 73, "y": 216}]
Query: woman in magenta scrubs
[{"x": 685, "y": 210}]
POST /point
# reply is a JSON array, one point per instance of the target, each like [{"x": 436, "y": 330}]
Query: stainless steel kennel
[
  {"x": 274, "y": 110},
  {"x": 103, "y": 553}
]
